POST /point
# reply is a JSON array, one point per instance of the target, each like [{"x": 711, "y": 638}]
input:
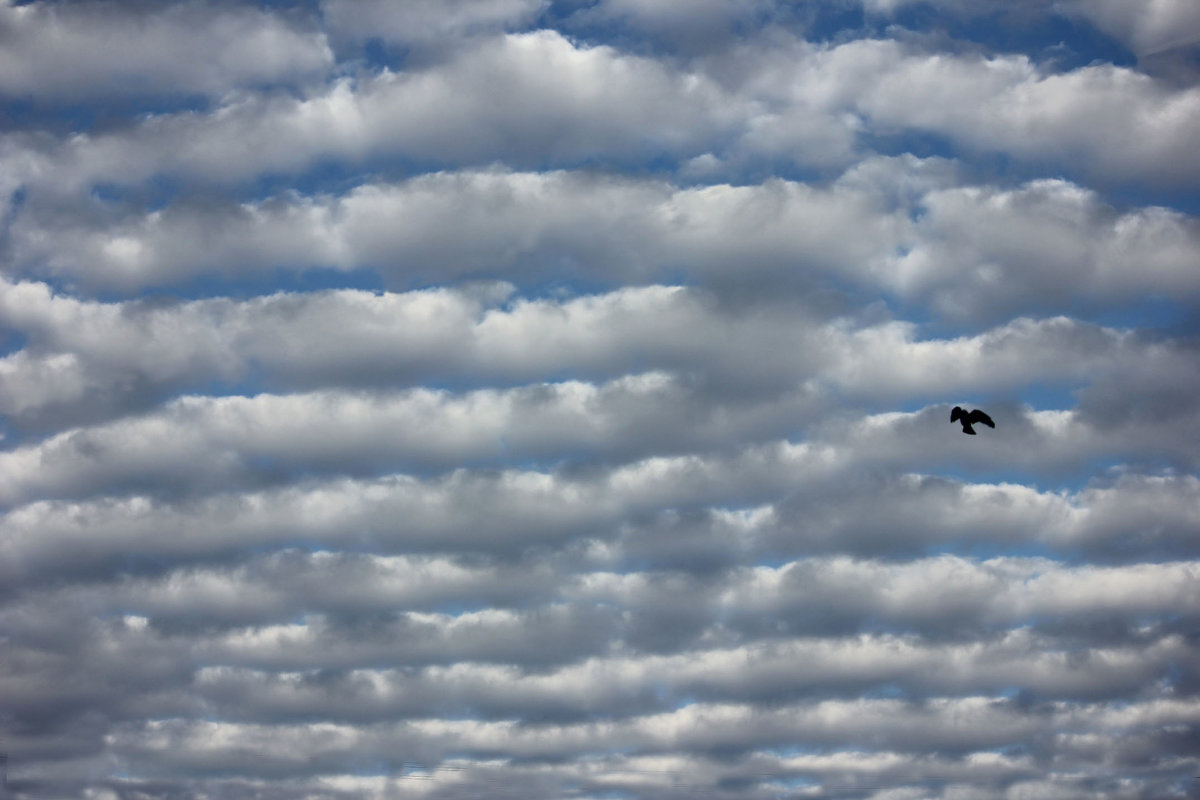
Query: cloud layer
[{"x": 539, "y": 400}]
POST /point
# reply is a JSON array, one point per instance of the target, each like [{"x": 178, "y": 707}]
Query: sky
[{"x": 551, "y": 399}]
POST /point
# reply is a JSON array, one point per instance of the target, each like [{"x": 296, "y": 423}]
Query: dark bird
[{"x": 969, "y": 418}]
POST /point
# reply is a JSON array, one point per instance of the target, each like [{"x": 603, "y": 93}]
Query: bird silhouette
[{"x": 969, "y": 418}]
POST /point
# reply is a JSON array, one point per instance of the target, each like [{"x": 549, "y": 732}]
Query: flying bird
[{"x": 969, "y": 418}]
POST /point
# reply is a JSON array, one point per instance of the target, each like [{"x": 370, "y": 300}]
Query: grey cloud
[
  {"x": 1045, "y": 442},
  {"x": 273, "y": 587},
  {"x": 845, "y": 773},
  {"x": 1044, "y": 245},
  {"x": 511, "y": 512},
  {"x": 1101, "y": 119},
  {"x": 910, "y": 514},
  {"x": 901, "y": 226},
  {"x": 954, "y": 724},
  {"x": 696, "y": 28},
  {"x": 496, "y": 223},
  {"x": 564, "y": 103},
  {"x": 425, "y": 22},
  {"x": 88, "y": 361},
  {"x": 200, "y": 443},
  {"x": 939, "y": 596},
  {"x": 1147, "y": 28},
  {"x": 491, "y": 511},
  {"x": 533, "y": 639},
  {"x": 1002, "y": 103},
  {"x": 1154, "y": 388},
  {"x": 637, "y": 478},
  {"x": 802, "y": 104},
  {"x": 68, "y": 52},
  {"x": 617, "y": 687},
  {"x": 196, "y": 445},
  {"x": 983, "y": 776},
  {"x": 349, "y": 602}
]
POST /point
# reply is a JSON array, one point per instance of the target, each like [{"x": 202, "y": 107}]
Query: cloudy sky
[{"x": 550, "y": 399}]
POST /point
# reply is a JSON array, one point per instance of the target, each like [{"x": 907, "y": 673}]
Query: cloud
[
  {"x": 91, "y": 361},
  {"x": 565, "y": 103},
  {"x": 207, "y": 441},
  {"x": 1018, "y": 108},
  {"x": 800, "y": 104},
  {"x": 622, "y": 686},
  {"x": 1161, "y": 35},
  {"x": 1148, "y": 28},
  {"x": 69, "y": 52},
  {"x": 904, "y": 227},
  {"x": 1046, "y": 243},
  {"x": 961, "y": 724},
  {"x": 425, "y": 22},
  {"x": 534, "y": 222},
  {"x": 533, "y": 400},
  {"x": 764, "y": 502},
  {"x": 204, "y": 442},
  {"x": 243, "y": 613},
  {"x": 695, "y": 29}
]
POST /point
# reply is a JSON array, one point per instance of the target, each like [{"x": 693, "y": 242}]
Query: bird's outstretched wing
[
  {"x": 956, "y": 413},
  {"x": 978, "y": 416}
]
